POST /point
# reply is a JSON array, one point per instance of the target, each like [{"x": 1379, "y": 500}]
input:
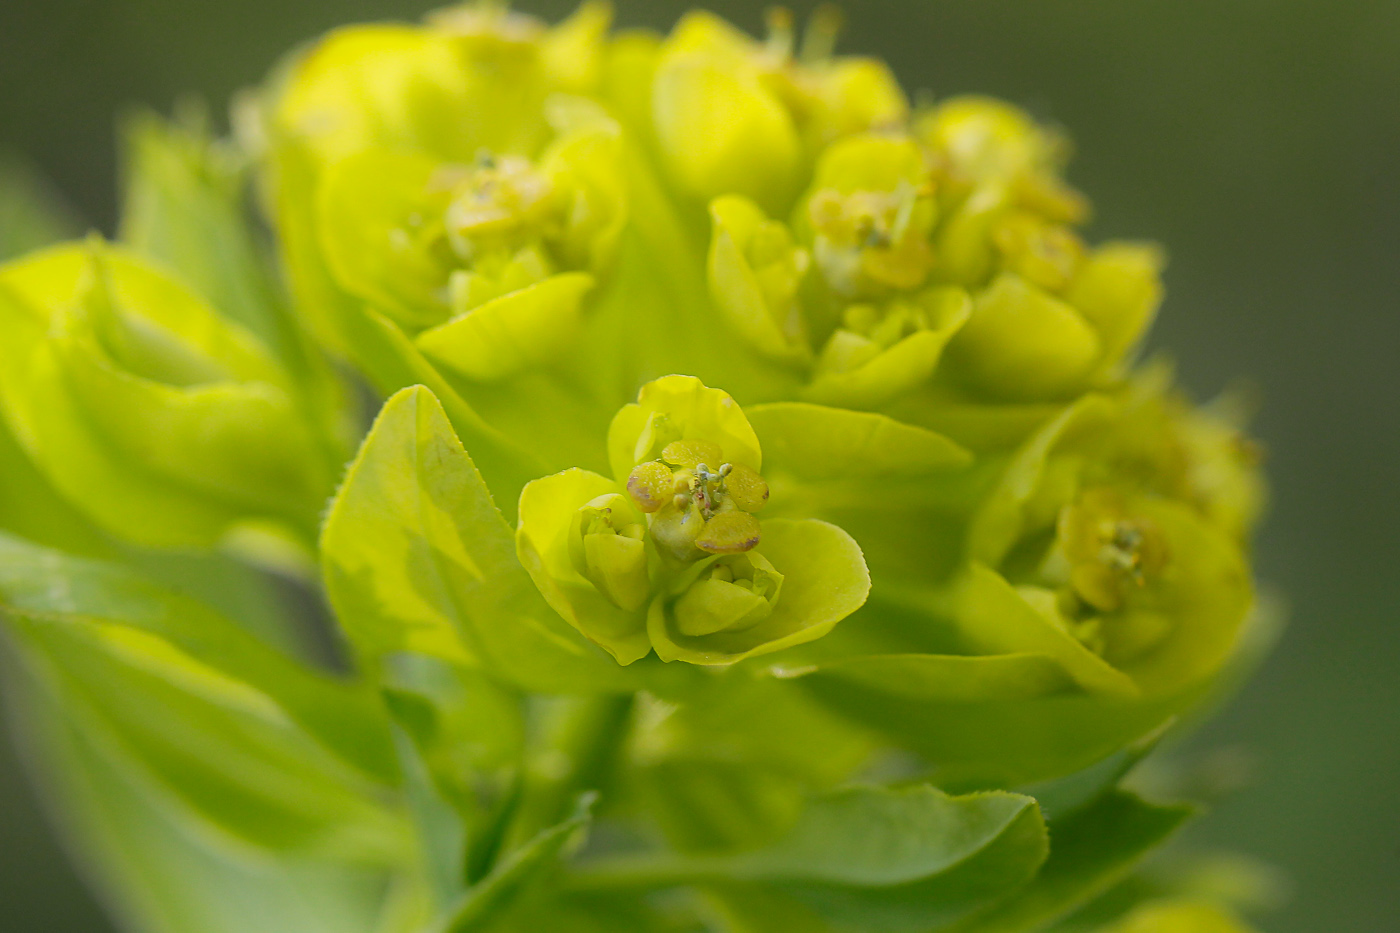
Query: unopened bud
[
  {"x": 737, "y": 594},
  {"x": 605, "y": 550}
]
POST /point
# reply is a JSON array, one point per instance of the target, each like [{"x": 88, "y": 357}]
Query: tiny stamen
[
  {"x": 819, "y": 38},
  {"x": 780, "y": 38}
]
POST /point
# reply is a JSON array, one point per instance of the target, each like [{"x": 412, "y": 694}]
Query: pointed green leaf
[
  {"x": 943, "y": 678},
  {"x": 995, "y": 618}
]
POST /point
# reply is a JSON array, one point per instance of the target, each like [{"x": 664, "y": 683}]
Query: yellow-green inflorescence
[
  {"x": 938, "y": 373},
  {"x": 902, "y": 290},
  {"x": 699, "y": 346},
  {"x": 943, "y": 247},
  {"x": 670, "y": 554}
]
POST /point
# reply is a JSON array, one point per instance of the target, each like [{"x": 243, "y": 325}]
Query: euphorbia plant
[{"x": 766, "y": 523}]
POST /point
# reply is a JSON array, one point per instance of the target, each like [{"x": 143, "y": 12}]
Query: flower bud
[
  {"x": 680, "y": 408},
  {"x": 719, "y": 126},
  {"x": 1101, "y": 586},
  {"x": 1022, "y": 343},
  {"x": 606, "y": 547},
  {"x": 802, "y": 579},
  {"x": 882, "y": 351},
  {"x": 1118, "y": 288},
  {"x": 978, "y": 140},
  {"x": 755, "y": 274},
  {"x": 733, "y": 594},
  {"x": 871, "y": 210},
  {"x": 736, "y": 116}
]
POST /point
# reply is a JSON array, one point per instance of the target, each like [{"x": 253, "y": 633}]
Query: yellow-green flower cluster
[
  {"x": 952, "y": 232},
  {"x": 747, "y": 431},
  {"x": 590, "y": 248}
]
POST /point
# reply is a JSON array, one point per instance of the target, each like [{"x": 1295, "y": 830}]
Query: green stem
[
  {"x": 644, "y": 872},
  {"x": 577, "y": 752}
]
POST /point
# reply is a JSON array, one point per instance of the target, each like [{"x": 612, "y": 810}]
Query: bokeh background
[{"x": 1258, "y": 139}]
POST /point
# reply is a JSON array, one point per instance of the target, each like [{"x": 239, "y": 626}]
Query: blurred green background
[{"x": 1258, "y": 139}]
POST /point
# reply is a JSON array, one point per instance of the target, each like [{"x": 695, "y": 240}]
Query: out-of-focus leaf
[
  {"x": 465, "y": 742},
  {"x": 183, "y": 207},
  {"x": 817, "y": 442},
  {"x": 1001, "y": 518},
  {"x": 482, "y": 907},
  {"x": 990, "y": 721},
  {"x": 30, "y": 506},
  {"x": 186, "y": 206},
  {"x": 343, "y": 717},
  {"x": 995, "y": 619},
  {"x": 162, "y": 421},
  {"x": 819, "y": 458},
  {"x": 872, "y": 858},
  {"x": 161, "y": 872},
  {"x": 1093, "y": 848},
  {"x": 417, "y": 558},
  {"x": 728, "y": 768},
  {"x": 531, "y": 327},
  {"x": 1179, "y": 917},
  {"x": 946, "y": 678},
  {"x": 217, "y": 749},
  {"x": 1063, "y": 796}
]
